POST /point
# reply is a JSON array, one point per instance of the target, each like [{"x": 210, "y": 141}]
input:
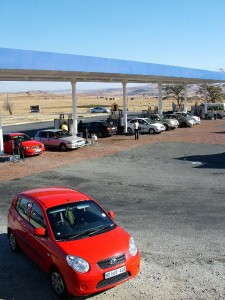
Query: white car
[
  {"x": 146, "y": 126},
  {"x": 100, "y": 109},
  {"x": 189, "y": 115},
  {"x": 57, "y": 138}
]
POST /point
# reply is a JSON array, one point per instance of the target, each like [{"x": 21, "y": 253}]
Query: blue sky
[{"x": 186, "y": 33}]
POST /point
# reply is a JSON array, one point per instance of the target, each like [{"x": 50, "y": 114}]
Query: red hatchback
[
  {"x": 72, "y": 238},
  {"x": 14, "y": 143}
]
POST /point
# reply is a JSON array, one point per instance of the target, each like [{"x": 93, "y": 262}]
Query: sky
[{"x": 186, "y": 33}]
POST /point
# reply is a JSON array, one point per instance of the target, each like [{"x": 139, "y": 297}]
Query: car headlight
[
  {"x": 132, "y": 247},
  {"x": 78, "y": 263}
]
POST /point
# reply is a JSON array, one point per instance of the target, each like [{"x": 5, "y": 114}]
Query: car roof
[
  {"x": 140, "y": 119},
  {"x": 14, "y": 133},
  {"x": 52, "y": 130},
  {"x": 53, "y": 196}
]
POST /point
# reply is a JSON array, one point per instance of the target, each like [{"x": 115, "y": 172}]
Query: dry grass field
[{"x": 53, "y": 104}]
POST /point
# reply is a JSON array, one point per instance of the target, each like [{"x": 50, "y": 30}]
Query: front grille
[
  {"x": 112, "y": 261},
  {"x": 113, "y": 280}
]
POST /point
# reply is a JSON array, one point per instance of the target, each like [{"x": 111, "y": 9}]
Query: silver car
[
  {"x": 57, "y": 138},
  {"x": 100, "y": 109},
  {"x": 146, "y": 126}
]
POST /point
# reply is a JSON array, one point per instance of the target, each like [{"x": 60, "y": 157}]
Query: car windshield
[
  {"x": 78, "y": 220},
  {"x": 149, "y": 121},
  {"x": 62, "y": 134},
  {"x": 21, "y": 138}
]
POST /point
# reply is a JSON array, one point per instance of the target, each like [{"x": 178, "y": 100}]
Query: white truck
[{"x": 209, "y": 110}]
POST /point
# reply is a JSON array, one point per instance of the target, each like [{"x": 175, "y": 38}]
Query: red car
[
  {"x": 15, "y": 143},
  {"x": 72, "y": 238}
]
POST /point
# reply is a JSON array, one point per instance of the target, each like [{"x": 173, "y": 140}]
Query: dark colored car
[
  {"x": 100, "y": 128},
  {"x": 16, "y": 143}
]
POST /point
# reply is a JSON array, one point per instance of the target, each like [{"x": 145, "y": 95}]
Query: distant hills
[{"x": 146, "y": 90}]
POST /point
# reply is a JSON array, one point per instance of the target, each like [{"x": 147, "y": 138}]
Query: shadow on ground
[
  {"x": 22, "y": 276},
  {"x": 213, "y": 161}
]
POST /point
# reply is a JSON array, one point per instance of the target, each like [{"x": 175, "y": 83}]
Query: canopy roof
[{"x": 26, "y": 65}]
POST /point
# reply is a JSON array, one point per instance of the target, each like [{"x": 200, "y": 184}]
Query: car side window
[
  {"x": 23, "y": 206},
  {"x": 37, "y": 217},
  {"x": 43, "y": 134},
  {"x": 52, "y": 135}
]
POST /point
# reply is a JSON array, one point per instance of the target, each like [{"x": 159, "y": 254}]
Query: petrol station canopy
[{"x": 27, "y": 65}]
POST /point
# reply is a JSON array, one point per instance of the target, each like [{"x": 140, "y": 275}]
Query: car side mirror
[
  {"x": 111, "y": 214},
  {"x": 39, "y": 231}
]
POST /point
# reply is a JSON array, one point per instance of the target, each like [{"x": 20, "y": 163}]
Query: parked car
[
  {"x": 100, "y": 128},
  {"x": 71, "y": 237},
  {"x": 189, "y": 115},
  {"x": 146, "y": 126},
  {"x": 16, "y": 143},
  {"x": 168, "y": 123},
  {"x": 100, "y": 109},
  {"x": 57, "y": 138},
  {"x": 183, "y": 121}
]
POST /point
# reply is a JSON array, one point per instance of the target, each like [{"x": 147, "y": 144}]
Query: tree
[
  {"x": 8, "y": 105},
  {"x": 214, "y": 92},
  {"x": 175, "y": 91}
]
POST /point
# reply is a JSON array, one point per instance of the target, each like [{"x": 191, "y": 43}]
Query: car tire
[
  {"x": 167, "y": 127},
  {"x": 183, "y": 124},
  {"x": 129, "y": 130},
  {"x": 63, "y": 147},
  {"x": 151, "y": 131},
  {"x": 12, "y": 243},
  {"x": 57, "y": 283},
  {"x": 99, "y": 134}
]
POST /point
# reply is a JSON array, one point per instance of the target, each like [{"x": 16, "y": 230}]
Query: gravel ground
[{"x": 166, "y": 190}]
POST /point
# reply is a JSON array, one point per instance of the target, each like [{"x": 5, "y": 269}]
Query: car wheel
[
  {"x": 167, "y": 127},
  {"x": 183, "y": 124},
  {"x": 57, "y": 282},
  {"x": 99, "y": 134},
  {"x": 151, "y": 131},
  {"x": 12, "y": 243},
  {"x": 129, "y": 130},
  {"x": 63, "y": 147}
]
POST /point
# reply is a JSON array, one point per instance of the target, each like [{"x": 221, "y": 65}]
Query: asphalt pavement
[{"x": 169, "y": 196}]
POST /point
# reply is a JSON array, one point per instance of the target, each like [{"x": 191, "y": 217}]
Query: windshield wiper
[
  {"x": 89, "y": 232},
  {"x": 100, "y": 229},
  {"x": 80, "y": 234}
]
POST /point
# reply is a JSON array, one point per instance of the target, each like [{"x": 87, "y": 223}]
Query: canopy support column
[
  {"x": 160, "y": 111},
  {"x": 185, "y": 97},
  {"x": 74, "y": 101},
  {"x": 125, "y": 106},
  {"x": 205, "y": 98},
  {"x": 1, "y": 135}
]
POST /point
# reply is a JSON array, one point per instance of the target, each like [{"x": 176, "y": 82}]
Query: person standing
[
  {"x": 65, "y": 127},
  {"x": 136, "y": 129}
]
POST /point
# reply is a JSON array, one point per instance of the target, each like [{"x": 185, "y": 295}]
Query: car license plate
[
  {"x": 115, "y": 272},
  {"x": 37, "y": 151}
]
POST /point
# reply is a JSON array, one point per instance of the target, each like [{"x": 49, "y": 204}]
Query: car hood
[
  {"x": 158, "y": 124},
  {"x": 71, "y": 139},
  {"x": 98, "y": 247},
  {"x": 31, "y": 143}
]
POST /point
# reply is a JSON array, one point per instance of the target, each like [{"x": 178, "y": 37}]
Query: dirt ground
[{"x": 53, "y": 104}]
